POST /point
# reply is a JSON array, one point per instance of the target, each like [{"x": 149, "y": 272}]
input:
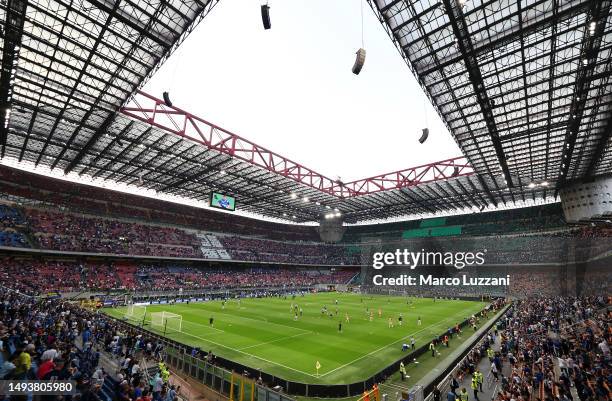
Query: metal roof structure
[
  {"x": 68, "y": 66},
  {"x": 523, "y": 86}
]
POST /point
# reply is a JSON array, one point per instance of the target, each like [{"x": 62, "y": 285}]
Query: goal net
[
  {"x": 167, "y": 321},
  {"x": 136, "y": 312}
]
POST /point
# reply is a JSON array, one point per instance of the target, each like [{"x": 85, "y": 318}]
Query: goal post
[
  {"x": 136, "y": 312},
  {"x": 167, "y": 321}
]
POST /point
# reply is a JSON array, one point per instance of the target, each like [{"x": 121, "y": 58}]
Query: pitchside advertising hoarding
[{"x": 510, "y": 266}]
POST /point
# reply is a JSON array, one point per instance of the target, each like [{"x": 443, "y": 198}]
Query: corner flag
[{"x": 318, "y": 366}]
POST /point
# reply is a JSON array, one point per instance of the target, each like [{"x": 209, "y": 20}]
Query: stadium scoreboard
[{"x": 222, "y": 201}]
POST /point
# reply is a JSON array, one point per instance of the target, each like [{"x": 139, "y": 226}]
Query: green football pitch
[{"x": 263, "y": 333}]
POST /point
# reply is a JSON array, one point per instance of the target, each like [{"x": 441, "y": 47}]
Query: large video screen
[{"x": 222, "y": 201}]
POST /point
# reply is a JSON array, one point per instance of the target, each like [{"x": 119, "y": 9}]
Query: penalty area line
[
  {"x": 273, "y": 341},
  {"x": 251, "y": 355}
]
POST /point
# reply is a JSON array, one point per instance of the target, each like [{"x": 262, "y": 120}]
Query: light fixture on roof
[
  {"x": 222, "y": 172},
  {"x": 167, "y": 100},
  {"x": 359, "y": 61},
  {"x": 338, "y": 214},
  {"x": 318, "y": 203},
  {"x": 361, "y": 53},
  {"x": 265, "y": 16},
  {"x": 327, "y": 207},
  {"x": 293, "y": 195},
  {"x": 305, "y": 199},
  {"x": 293, "y": 216},
  {"x": 424, "y": 135},
  {"x": 531, "y": 185},
  {"x": 544, "y": 183},
  {"x": 592, "y": 26},
  {"x": 285, "y": 214}
]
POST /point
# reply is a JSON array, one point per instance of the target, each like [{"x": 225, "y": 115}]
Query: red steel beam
[
  {"x": 154, "y": 111},
  {"x": 437, "y": 171}
]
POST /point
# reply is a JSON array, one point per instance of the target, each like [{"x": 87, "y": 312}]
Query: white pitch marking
[
  {"x": 273, "y": 341},
  {"x": 268, "y": 322},
  {"x": 386, "y": 346},
  {"x": 251, "y": 355}
]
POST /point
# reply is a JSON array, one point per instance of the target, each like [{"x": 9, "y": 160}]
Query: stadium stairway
[
  {"x": 211, "y": 247},
  {"x": 108, "y": 388},
  {"x": 489, "y": 387},
  {"x": 126, "y": 272}
]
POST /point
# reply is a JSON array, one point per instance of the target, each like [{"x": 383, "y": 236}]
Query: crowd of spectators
[
  {"x": 10, "y": 220},
  {"x": 42, "y": 276},
  {"x": 63, "y": 231},
  {"x": 58, "y": 340},
  {"x": 554, "y": 344},
  {"x": 64, "y": 216},
  {"x": 545, "y": 349},
  {"x": 69, "y": 232},
  {"x": 37, "y": 276},
  {"x": 158, "y": 278},
  {"x": 256, "y": 249},
  {"x": 103, "y": 202}
]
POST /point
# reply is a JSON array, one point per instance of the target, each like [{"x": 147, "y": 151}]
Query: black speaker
[
  {"x": 167, "y": 99},
  {"x": 424, "y": 135},
  {"x": 359, "y": 60},
  {"x": 265, "y": 16}
]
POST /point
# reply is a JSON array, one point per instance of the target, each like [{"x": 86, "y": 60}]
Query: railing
[
  {"x": 444, "y": 380},
  {"x": 185, "y": 393}
]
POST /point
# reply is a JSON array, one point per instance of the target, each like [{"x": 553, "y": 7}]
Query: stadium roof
[
  {"x": 67, "y": 67},
  {"x": 522, "y": 86}
]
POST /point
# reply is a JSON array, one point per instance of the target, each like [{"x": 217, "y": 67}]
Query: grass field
[{"x": 262, "y": 333}]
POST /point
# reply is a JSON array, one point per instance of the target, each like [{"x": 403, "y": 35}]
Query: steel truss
[{"x": 154, "y": 111}]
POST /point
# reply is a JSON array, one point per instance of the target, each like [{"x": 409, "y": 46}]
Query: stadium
[{"x": 148, "y": 253}]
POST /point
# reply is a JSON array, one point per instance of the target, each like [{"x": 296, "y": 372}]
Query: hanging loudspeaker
[
  {"x": 265, "y": 16},
  {"x": 167, "y": 99},
  {"x": 359, "y": 60},
  {"x": 424, "y": 135}
]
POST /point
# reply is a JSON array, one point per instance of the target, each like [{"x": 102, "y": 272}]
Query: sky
[{"x": 291, "y": 89}]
